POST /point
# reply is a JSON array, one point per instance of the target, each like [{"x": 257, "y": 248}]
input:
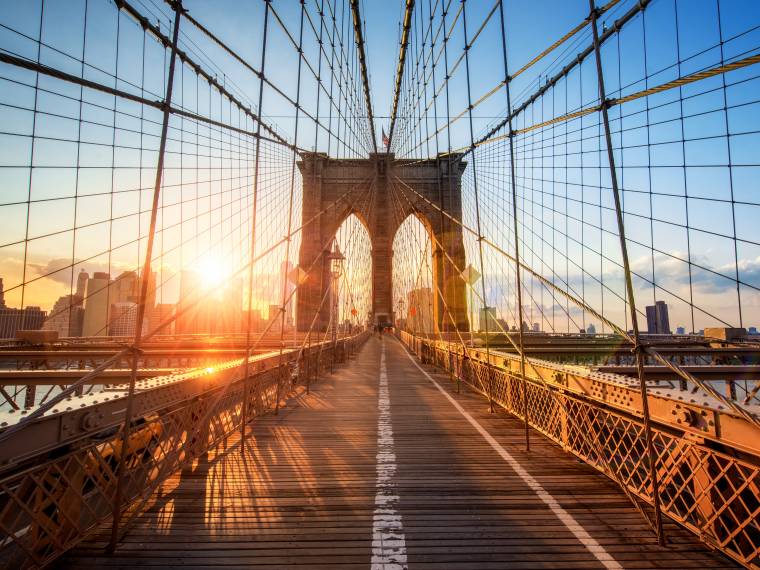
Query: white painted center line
[
  {"x": 388, "y": 540},
  {"x": 567, "y": 519}
]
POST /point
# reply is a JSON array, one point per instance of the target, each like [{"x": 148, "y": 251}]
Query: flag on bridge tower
[{"x": 386, "y": 142}]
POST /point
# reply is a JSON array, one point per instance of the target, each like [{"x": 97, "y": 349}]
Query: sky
[{"x": 687, "y": 159}]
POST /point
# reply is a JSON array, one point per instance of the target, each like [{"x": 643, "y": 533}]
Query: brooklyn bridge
[{"x": 346, "y": 283}]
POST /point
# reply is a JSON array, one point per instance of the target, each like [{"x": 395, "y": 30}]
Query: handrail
[{"x": 55, "y": 489}]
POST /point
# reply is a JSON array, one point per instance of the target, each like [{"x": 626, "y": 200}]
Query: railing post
[
  {"x": 604, "y": 104},
  {"x": 278, "y": 382},
  {"x": 120, "y": 469},
  {"x": 309, "y": 358}
]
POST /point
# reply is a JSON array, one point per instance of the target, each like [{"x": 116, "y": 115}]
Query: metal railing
[
  {"x": 52, "y": 498},
  {"x": 710, "y": 487}
]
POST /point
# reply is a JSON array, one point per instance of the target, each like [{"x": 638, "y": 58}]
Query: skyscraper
[
  {"x": 82, "y": 278},
  {"x": 123, "y": 318},
  {"x": 657, "y": 318},
  {"x": 12, "y": 320},
  {"x": 185, "y": 321},
  {"x": 125, "y": 288},
  {"x": 97, "y": 305},
  {"x": 231, "y": 310},
  {"x": 66, "y": 316},
  {"x": 491, "y": 324},
  {"x": 285, "y": 269},
  {"x": 162, "y": 312}
]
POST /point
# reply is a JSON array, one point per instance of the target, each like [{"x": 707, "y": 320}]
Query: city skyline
[{"x": 687, "y": 179}]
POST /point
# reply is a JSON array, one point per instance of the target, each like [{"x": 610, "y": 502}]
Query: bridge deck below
[{"x": 337, "y": 469}]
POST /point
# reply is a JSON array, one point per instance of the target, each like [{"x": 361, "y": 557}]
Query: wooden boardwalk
[{"x": 342, "y": 479}]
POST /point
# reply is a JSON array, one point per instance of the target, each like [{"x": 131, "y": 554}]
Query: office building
[
  {"x": 97, "y": 304},
  {"x": 285, "y": 271},
  {"x": 591, "y": 329},
  {"x": 123, "y": 318},
  {"x": 125, "y": 288},
  {"x": 161, "y": 313},
  {"x": 491, "y": 324},
  {"x": 66, "y": 316},
  {"x": 12, "y": 320},
  {"x": 191, "y": 312},
  {"x": 82, "y": 278},
  {"x": 657, "y": 318},
  {"x": 231, "y": 309}
]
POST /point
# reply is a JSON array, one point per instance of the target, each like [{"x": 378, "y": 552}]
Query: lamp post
[
  {"x": 470, "y": 275},
  {"x": 336, "y": 259}
]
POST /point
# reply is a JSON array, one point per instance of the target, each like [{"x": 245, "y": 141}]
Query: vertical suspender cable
[
  {"x": 604, "y": 104},
  {"x": 290, "y": 202},
  {"x": 477, "y": 206},
  {"x": 513, "y": 180},
  {"x": 145, "y": 277},
  {"x": 254, "y": 199}
]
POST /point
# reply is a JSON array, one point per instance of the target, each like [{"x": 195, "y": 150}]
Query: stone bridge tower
[{"x": 368, "y": 186}]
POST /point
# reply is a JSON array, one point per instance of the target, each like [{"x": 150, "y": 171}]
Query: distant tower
[
  {"x": 189, "y": 309},
  {"x": 231, "y": 310},
  {"x": 658, "y": 321},
  {"x": 125, "y": 288},
  {"x": 96, "y": 306},
  {"x": 82, "y": 283},
  {"x": 66, "y": 316},
  {"x": 488, "y": 320}
]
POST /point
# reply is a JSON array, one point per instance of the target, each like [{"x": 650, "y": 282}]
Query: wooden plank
[{"x": 303, "y": 492}]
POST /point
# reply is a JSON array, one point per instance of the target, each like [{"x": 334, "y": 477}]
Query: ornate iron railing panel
[
  {"x": 52, "y": 501},
  {"x": 709, "y": 488}
]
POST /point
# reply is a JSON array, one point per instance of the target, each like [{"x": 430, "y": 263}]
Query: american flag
[{"x": 386, "y": 142}]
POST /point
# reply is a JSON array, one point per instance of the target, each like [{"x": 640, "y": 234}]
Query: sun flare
[{"x": 213, "y": 271}]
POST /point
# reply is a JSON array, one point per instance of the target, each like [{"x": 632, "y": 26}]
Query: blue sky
[{"x": 687, "y": 159}]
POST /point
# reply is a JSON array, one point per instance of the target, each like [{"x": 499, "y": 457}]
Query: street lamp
[
  {"x": 336, "y": 259},
  {"x": 470, "y": 275}
]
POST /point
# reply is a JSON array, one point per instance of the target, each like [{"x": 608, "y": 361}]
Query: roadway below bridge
[{"x": 383, "y": 465}]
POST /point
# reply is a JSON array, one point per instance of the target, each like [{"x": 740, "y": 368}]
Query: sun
[{"x": 213, "y": 271}]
